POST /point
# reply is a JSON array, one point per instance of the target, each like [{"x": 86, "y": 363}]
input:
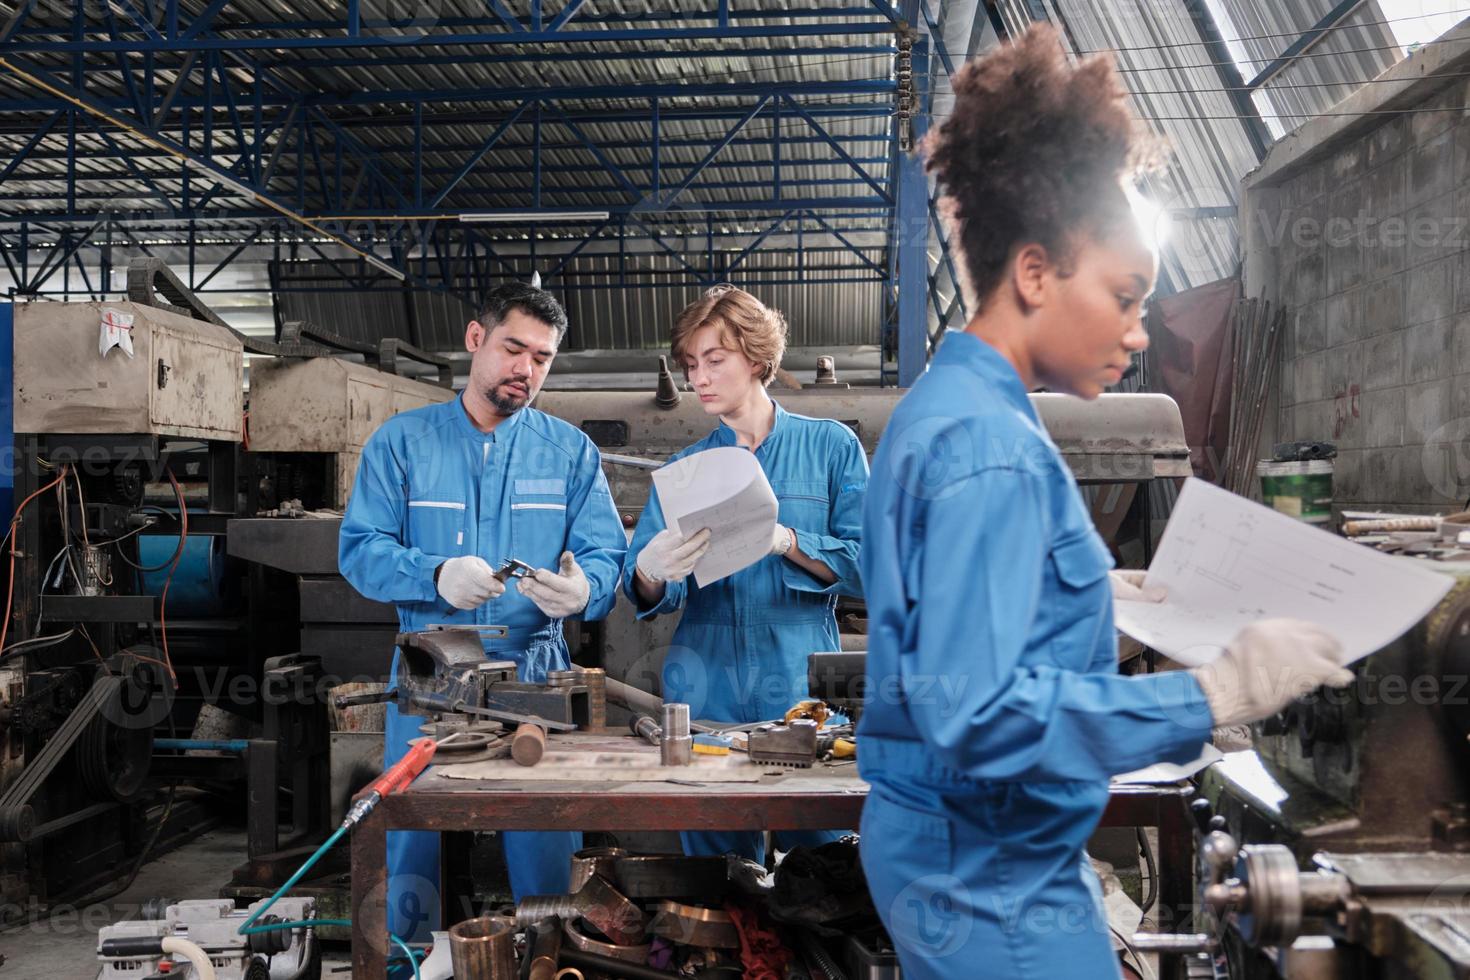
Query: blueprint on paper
[
  {"x": 1227, "y": 562},
  {"x": 725, "y": 490}
]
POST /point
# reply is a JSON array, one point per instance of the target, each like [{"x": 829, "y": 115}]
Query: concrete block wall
[{"x": 1367, "y": 246}]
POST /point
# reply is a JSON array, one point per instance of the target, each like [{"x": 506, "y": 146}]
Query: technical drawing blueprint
[
  {"x": 1227, "y": 562},
  {"x": 725, "y": 490}
]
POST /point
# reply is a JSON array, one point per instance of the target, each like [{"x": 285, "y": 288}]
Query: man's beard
[{"x": 507, "y": 405}]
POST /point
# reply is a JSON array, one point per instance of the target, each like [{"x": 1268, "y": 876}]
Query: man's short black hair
[{"x": 526, "y": 298}]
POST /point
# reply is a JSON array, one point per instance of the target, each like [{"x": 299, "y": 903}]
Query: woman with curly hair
[
  {"x": 740, "y": 650},
  {"x": 995, "y": 713}
]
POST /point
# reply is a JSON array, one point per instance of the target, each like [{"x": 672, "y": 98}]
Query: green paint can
[{"x": 1300, "y": 489}]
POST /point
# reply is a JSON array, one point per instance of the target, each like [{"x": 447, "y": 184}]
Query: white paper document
[
  {"x": 725, "y": 490},
  {"x": 1168, "y": 772},
  {"x": 1227, "y": 562}
]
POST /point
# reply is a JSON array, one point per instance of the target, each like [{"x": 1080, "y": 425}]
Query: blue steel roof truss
[{"x": 217, "y": 123}]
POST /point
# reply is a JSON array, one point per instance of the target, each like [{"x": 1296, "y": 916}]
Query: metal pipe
[
  {"x": 1165, "y": 942},
  {"x": 211, "y": 744},
  {"x": 612, "y": 967},
  {"x": 647, "y": 729},
  {"x": 637, "y": 462},
  {"x": 633, "y": 698}
]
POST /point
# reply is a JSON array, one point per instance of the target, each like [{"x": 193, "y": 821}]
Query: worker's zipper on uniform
[{"x": 446, "y": 504}]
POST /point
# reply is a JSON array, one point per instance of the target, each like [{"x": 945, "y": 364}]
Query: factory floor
[{"x": 66, "y": 944}]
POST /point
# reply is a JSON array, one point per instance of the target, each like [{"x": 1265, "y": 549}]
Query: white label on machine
[
  {"x": 117, "y": 331},
  {"x": 1227, "y": 562}
]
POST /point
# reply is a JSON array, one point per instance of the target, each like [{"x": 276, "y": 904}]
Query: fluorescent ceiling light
[
  {"x": 382, "y": 266},
  {"x": 490, "y": 217}
]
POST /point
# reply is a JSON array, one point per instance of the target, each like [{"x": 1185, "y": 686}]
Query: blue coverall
[
  {"x": 431, "y": 487},
  {"x": 740, "y": 650},
  {"x": 995, "y": 714}
]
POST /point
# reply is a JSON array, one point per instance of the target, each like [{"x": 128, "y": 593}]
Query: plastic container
[{"x": 1299, "y": 489}]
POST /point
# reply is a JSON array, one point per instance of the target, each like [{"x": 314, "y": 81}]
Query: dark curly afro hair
[{"x": 1036, "y": 150}]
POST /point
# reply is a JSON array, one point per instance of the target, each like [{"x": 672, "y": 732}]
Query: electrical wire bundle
[{"x": 66, "y": 472}]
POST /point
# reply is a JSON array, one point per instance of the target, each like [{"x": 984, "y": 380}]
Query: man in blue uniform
[{"x": 442, "y": 493}]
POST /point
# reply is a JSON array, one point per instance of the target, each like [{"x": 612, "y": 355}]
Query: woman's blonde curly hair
[{"x": 746, "y": 325}]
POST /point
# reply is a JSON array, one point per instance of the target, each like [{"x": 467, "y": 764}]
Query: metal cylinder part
[
  {"x": 591, "y": 861},
  {"x": 1273, "y": 912},
  {"x": 676, "y": 745},
  {"x": 545, "y": 949},
  {"x": 528, "y": 744},
  {"x": 676, "y": 719},
  {"x": 676, "y": 751},
  {"x": 595, "y": 680},
  {"x": 646, "y": 728},
  {"x": 484, "y": 949},
  {"x": 562, "y": 678}
]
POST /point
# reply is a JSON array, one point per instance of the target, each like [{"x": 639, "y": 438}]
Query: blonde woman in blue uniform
[{"x": 741, "y": 647}]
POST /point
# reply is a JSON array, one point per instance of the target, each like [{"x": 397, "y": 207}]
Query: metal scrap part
[
  {"x": 580, "y": 940},
  {"x": 695, "y": 925}
]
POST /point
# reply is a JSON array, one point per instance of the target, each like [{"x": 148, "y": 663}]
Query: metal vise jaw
[{"x": 446, "y": 670}]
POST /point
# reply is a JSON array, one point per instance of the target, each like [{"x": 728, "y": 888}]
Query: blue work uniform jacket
[
  {"x": 740, "y": 651},
  {"x": 991, "y": 651},
  {"x": 431, "y": 487}
]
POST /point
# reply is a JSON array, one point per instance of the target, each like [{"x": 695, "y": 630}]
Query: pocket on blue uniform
[
  {"x": 436, "y": 527},
  {"x": 538, "y": 524},
  {"x": 802, "y": 505},
  {"x": 1081, "y": 560}
]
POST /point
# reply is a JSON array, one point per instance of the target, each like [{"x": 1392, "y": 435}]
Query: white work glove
[
  {"x": 558, "y": 595},
  {"x": 467, "y": 582},
  {"x": 670, "y": 557},
  {"x": 1128, "y": 586},
  {"x": 782, "y": 541},
  {"x": 1268, "y": 665}
]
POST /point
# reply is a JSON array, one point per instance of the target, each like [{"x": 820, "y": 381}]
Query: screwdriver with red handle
[{"x": 395, "y": 778}]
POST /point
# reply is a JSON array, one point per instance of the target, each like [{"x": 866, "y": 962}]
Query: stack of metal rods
[{"x": 1255, "y": 343}]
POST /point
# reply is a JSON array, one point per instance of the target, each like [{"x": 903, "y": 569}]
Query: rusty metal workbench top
[{"x": 826, "y": 796}]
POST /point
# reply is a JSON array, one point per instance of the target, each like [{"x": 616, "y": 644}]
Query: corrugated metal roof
[
  {"x": 818, "y": 313},
  {"x": 1359, "y": 48},
  {"x": 370, "y": 97},
  {"x": 1177, "y": 89}
]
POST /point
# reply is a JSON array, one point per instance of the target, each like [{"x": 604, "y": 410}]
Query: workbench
[{"x": 826, "y": 796}]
